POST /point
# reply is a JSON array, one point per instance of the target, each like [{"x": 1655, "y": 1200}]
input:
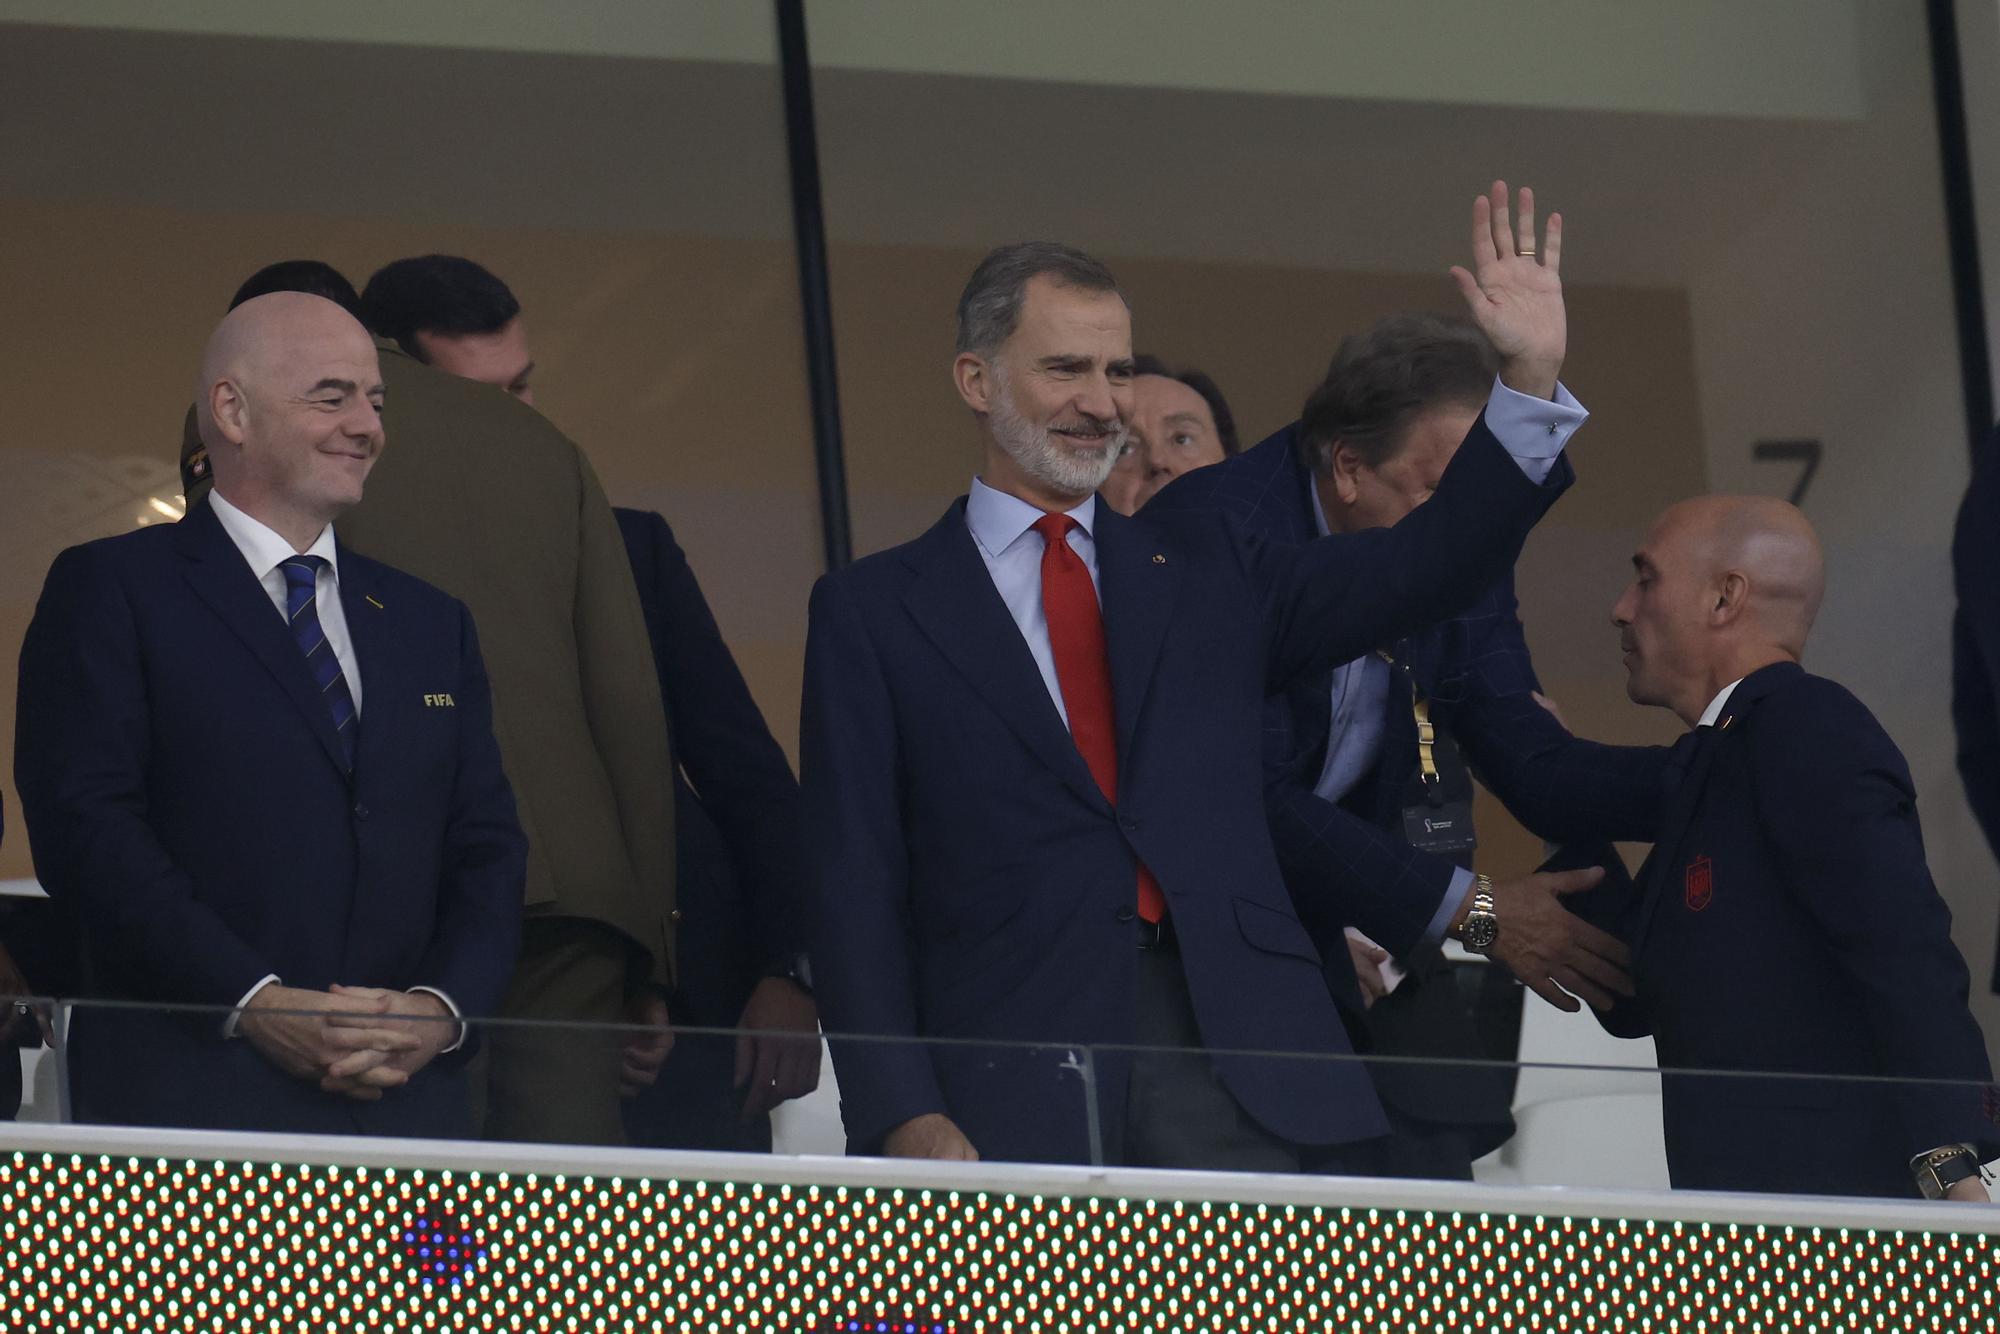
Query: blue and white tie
[{"x": 302, "y": 611}]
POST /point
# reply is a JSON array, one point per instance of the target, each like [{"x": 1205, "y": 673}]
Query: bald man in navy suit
[
  {"x": 1785, "y": 927},
  {"x": 261, "y": 770}
]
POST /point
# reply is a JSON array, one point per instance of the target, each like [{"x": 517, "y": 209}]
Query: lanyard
[{"x": 1420, "y": 709}]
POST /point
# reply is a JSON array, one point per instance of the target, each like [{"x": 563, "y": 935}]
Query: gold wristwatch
[{"x": 1480, "y": 928}]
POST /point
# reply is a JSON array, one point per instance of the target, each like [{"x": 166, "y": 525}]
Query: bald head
[
  {"x": 260, "y": 340},
  {"x": 1723, "y": 585},
  {"x": 1765, "y": 540},
  {"x": 289, "y": 404}
]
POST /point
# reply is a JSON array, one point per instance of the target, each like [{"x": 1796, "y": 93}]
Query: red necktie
[{"x": 1083, "y": 670}]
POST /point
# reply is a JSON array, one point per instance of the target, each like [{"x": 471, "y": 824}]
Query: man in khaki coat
[{"x": 482, "y": 497}]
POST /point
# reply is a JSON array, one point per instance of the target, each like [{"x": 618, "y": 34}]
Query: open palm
[{"x": 1514, "y": 289}]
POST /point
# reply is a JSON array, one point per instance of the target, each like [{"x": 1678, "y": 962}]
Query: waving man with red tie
[{"x": 1032, "y": 752}]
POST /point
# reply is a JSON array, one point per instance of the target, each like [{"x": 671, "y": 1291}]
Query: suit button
[
  {"x": 1124, "y": 914},
  {"x": 360, "y": 811}
]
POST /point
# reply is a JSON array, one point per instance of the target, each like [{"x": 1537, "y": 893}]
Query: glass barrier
[
  {"x": 1619, "y": 1123},
  {"x": 149, "y": 1227},
  {"x": 352, "y": 1068}
]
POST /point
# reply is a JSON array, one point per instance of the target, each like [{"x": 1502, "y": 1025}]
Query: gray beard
[{"x": 1058, "y": 467}]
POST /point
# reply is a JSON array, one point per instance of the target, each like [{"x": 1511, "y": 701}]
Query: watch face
[{"x": 1481, "y": 930}]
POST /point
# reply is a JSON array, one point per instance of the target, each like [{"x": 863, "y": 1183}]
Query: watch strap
[{"x": 1942, "y": 1168}]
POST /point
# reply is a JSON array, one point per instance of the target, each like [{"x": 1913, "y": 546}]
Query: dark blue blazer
[
  {"x": 185, "y": 794},
  {"x": 1786, "y": 921},
  {"x": 970, "y": 881},
  {"x": 737, "y": 803},
  {"x": 1349, "y": 864},
  {"x": 1975, "y": 646}
]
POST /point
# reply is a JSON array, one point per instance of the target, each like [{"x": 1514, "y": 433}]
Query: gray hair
[{"x": 989, "y": 308}]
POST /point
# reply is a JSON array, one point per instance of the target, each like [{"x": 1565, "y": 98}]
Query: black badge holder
[{"x": 1437, "y": 800}]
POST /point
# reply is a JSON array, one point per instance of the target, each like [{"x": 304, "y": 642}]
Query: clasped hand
[{"x": 354, "y": 1041}]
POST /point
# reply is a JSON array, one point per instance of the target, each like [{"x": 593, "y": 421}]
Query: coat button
[
  {"x": 1125, "y": 914},
  {"x": 360, "y": 811}
]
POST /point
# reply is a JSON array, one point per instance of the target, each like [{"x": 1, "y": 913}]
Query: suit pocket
[{"x": 1274, "y": 932}]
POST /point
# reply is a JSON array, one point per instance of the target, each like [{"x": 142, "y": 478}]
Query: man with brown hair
[{"x": 1374, "y": 829}]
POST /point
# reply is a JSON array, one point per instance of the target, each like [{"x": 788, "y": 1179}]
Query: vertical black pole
[
  {"x": 1961, "y": 222},
  {"x": 815, "y": 298}
]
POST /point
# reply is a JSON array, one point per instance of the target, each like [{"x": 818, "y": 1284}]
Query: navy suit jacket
[
  {"x": 1786, "y": 921},
  {"x": 969, "y": 879},
  {"x": 1348, "y": 864},
  {"x": 1975, "y": 646},
  {"x": 737, "y": 803},
  {"x": 185, "y": 795}
]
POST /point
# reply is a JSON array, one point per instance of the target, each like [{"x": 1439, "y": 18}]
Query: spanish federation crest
[{"x": 1700, "y": 883}]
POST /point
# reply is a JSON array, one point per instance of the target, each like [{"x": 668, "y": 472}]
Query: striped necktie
[{"x": 302, "y": 611}]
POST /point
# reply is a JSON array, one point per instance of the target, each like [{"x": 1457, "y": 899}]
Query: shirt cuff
[
  {"x": 456, "y": 1013},
  {"x": 236, "y": 1015},
  {"x": 1455, "y": 895},
  {"x": 1533, "y": 430}
]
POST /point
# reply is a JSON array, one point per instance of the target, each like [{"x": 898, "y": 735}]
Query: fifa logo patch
[{"x": 1700, "y": 883}]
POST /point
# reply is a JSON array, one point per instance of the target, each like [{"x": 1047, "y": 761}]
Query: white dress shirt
[
  {"x": 1716, "y": 705},
  {"x": 265, "y": 552}
]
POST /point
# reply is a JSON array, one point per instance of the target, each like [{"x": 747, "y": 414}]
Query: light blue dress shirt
[
  {"x": 1532, "y": 430},
  {"x": 1003, "y": 528}
]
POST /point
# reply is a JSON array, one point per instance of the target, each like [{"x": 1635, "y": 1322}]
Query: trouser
[
  {"x": 1178, "y": 1112},
  {"x": 549, "y": 1084}
]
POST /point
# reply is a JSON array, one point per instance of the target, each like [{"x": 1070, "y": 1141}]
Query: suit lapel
[
  {"x": 953, "y": 601},
  {"x": 1286, "y": 495},
  {"x": 220, "y": 577},
  {"x": 1703, "y": 743},
  {"x": 1707, "y": 743},
  {"x": 385, "y": 684},
  {"x": 1139, "y": 585}
]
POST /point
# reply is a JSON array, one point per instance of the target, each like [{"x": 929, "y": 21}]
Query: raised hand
[{"x": 1514, "y": 290}]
